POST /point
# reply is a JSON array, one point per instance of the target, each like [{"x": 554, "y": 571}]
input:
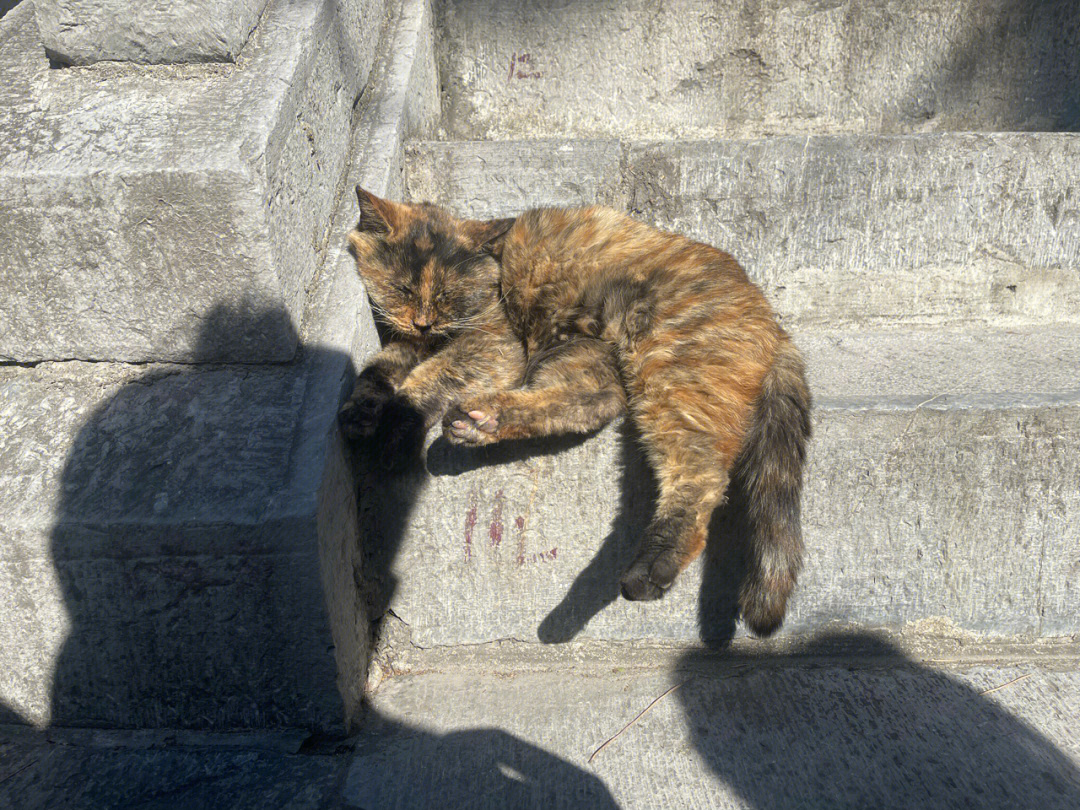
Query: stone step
[
  {"x": 138, "y": 203},
  {"x": 841, "y": 231},
  {"x": 734, "y": 732},
  {"x": 941, "y": 499},
  {"x": 178, "y": 543},
  {"x": 753, "y": 68}
]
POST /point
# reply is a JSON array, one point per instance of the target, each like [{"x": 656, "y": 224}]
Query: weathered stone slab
[
  {"x": 178, "y": 546},
  {"x": 159, "y": 565},
  {"x": 81, "y": 32},
  {"x": 926, "y": 509},
  {"x": 62, "y": 768},
  {"x": 753, "y": 68},
  {"x": 930, "y": 230},
  {"x": 735, "y": 734},
  {"x": 135, "y": 203}
]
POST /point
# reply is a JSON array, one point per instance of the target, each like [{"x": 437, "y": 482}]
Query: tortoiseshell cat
[{"x": 560, "y": 320}]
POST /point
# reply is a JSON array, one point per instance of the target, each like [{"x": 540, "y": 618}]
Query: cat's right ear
[
  {"x": 380, "y": 216},
  {"x": 488, "y": 234}
]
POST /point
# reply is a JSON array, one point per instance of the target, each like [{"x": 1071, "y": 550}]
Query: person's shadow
[
  {"x": 171, "y": 628},
  {"x": 875, "y": 730}
]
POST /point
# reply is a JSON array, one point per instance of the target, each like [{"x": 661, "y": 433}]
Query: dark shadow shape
[
  {"x": 880, "y": 731},
  {"x": 1041, "y": 94},
  {"x": 477, "y": 769},
  {"x": 6, "y": 6},
  {"x": 170, "y": 454},
  {"x": 444, "y": 458},
  {"x": 597, "y": 586}
]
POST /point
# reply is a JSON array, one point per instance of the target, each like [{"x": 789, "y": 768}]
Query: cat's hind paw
[
  {"x": 473, "y": 427},
  {"x": 647, "y": 579}
]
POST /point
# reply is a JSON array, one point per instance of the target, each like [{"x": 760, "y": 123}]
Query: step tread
[
  {"x": 733, "y": 734},
  {"x": 956, "y": 230}
]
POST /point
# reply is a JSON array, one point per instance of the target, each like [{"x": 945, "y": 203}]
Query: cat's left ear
[
  {"x": 380, "y": 216},
  {"x": 488, "y": 234}
]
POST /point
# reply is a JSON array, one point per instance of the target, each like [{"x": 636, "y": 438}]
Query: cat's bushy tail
[{"x": 769, "y": 470}]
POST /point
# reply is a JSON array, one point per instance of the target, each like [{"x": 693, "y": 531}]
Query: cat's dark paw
[
  {"x": 637, "y": 587},
  {"x": 399, "y": 434},
  {"x": 360, "y": 415},
  {"x": 647, "y": 580},
  {"x": 471, "y": 425}
]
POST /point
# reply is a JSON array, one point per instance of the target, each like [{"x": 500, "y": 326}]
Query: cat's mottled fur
[{"x": 562, "y": 319}]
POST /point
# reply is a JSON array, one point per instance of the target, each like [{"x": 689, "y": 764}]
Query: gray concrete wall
[
  {"x": 81, "y": 32},
  {"x": 752, "y": 68}
]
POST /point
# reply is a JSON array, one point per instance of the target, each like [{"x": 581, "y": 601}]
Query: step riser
[
  {"x": 963, "y": 518},
  {"x": 750, "y": 68},
  {"x": 948, "y": 230}
]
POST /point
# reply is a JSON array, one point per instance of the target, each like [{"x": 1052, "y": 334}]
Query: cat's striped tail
[{"x": 769, "y": 470}]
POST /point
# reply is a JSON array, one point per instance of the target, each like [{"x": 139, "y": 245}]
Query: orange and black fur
[{"x": 562, "y": 319}]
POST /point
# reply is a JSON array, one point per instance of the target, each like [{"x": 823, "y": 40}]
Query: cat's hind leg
[
  {"x": 571, "y": 388},
  {"x": 692, "y": 484}
]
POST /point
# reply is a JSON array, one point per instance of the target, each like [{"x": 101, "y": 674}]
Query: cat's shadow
[
  {"x": 444, "y": 458},
  {"x": 597, "y": 585}
]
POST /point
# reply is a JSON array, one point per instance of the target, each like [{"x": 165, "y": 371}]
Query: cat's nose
[{"x": 422, "y": 324}]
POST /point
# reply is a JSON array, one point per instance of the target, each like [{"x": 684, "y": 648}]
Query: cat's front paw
[
  {"x": 360, "y": 415},
  {"x": 472, "y": 424}
]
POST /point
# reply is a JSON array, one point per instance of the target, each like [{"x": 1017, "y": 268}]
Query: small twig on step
[
  {"x": 640, "y": 714},
  {"x": 1007, "y": 683}
]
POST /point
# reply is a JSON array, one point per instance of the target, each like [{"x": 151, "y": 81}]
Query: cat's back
[
  {"x": 561, "y": 232},
  {"x": 565, "y": 245}
]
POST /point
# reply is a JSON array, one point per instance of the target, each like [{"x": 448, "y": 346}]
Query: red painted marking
[
  {"x": 519, "y": 521},
  {"x": 470, "y": 522},
  {"x": 495, "y": 531},
  {"x": 520, "y": 60},
  {"x": 543, "y": 556}
]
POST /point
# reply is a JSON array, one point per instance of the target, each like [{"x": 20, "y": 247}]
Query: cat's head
[{"x": 428, "y": 273}]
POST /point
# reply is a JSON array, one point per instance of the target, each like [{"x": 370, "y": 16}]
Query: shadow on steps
[{"x": 886, "y": 732}]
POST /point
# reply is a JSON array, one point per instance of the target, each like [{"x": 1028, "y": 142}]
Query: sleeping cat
[{"x": 562, "y": 319}]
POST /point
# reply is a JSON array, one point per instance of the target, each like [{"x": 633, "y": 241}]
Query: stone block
[
  {"x": 756, "y": 68},
  {"x": 135, "y": 203},
  {"x": 924, "y": 508},
  {"x": 82, "y": 32}
]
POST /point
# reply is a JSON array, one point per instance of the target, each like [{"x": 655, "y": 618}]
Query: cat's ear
[
  {"x": 487, "y": 234},
  {"x": 380, "y": 216}
]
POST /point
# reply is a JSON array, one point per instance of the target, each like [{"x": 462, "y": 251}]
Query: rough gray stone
[
  {"x": 179, "y": 547},
  {"x": 137, "y": 202},
  {"x": 161, "y": 569},
  {"x": 936, "y": 500},
  {"x": 60, "y": 768},
  {"x": 81, "y": 32},
  {"x": 930, "y": 230},
  {"x": 735, "y": 733},
  {"x": 754, "y": 68}
]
